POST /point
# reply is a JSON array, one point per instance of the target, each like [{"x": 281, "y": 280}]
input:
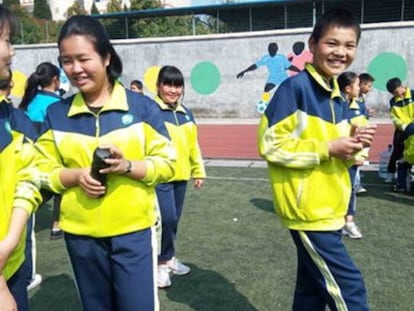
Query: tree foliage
[
  {"x": 94, "y": 9},
  {"x": 9, "y": 3},
  {"x": 41, "y": 10},
  {"x": 75, "y": 9}
]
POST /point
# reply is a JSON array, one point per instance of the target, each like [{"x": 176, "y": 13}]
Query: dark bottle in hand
[{"x": 98, "y": 163}]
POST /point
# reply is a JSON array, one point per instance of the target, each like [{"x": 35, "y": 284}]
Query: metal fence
[{"x": 283, "y": 14}]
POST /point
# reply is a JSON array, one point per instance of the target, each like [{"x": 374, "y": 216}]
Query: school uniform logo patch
[
  {"x": 7, "y": 126},
  {"x": 127, "y": 119}
]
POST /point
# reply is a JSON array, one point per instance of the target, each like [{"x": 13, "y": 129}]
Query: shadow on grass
[
  {"x": 55, "y": 293},
  {"x": 263, "y": 204},
  {"x": 205, "y": 290}
]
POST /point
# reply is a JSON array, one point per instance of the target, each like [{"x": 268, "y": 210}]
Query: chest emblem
[{"x": 127, "y": 119}]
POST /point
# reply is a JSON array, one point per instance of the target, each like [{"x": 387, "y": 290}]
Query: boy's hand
[
  {"x": 344, "y": 148},
  {"x": 365, "y": 134}
]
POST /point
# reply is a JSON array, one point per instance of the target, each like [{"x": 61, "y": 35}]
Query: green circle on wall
[
  {"x": 205, "y": 78},
  {"x": 386, "y": 66}
]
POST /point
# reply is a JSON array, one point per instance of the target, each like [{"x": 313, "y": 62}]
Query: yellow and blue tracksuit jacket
[
  {"x": 183, "y": 131},
  {"x": 71, "y": 133},
  {"x": 311, "y": 190},
  {"x": 402, "y": 115},
  {"x": 358, "y": 115},
  {"x": 402, "y": 111},
  {"x": 20, "y": 180}
]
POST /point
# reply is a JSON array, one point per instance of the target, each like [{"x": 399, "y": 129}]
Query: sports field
[{"x": 241, "y": 257}]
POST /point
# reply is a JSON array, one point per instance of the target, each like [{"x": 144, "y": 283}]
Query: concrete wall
[{"x": 210, "y": 64}]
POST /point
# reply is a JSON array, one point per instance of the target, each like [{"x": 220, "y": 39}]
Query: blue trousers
[
  {"x": 326, "y": 275},
  {"x": 17, "y": 285},
  {"x": 115, "y": 273},
  {"x": 171, "y": 201}
]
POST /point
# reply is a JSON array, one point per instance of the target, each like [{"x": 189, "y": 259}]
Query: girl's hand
[
  {"x": 91, "y": 186},
  {"x": 118, "y": 164},
  {"x": 7, "y": 301}
]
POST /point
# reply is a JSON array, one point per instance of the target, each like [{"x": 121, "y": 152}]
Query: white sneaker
[
  {"x": 35, "y": 281},
  {"x": 164, "y": 279},
  {"x": 178, "y": 267},
  {"x": 360, "y": 190},
  {"x": 351, "y": 230}
]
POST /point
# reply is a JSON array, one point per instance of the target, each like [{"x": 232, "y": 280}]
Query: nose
[
  {"x": 76, "y": 66},
  {"x": 340, "y": 50}
]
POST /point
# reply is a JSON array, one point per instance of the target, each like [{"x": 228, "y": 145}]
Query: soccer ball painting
[{"x": 261, "y": 106}]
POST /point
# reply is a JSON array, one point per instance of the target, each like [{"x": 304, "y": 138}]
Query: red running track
[{"x": 238, "y": 141}]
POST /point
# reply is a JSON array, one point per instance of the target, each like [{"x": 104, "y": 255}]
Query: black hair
[
  {"x": 5, "y": 83},
  {"x": 170, "y": 75},
  {"x": 84, "y": 25},
  {"x": 345, "y": 79},
  {"x": 42, "y": 77},
  {"x": 137, "y": 83},
  {"x": 273, "y": 48},
  {"x": 298, "y": 47},
  {"x": 7, "y": 18},
  {"x": 335, "y": 17},
  {"x": 393, "y": 84},
  {"x": 366, "y": 77}
]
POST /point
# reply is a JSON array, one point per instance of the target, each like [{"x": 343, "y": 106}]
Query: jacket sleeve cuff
[
  {"x": 55, "y": 183},
  {"x": 150, "y": 174}
]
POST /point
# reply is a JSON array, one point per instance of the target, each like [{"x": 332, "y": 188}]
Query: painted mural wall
[{"x": 234, "y": 75}]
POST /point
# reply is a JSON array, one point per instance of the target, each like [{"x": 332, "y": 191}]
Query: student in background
[
  {"x": 136, "y": 86},
  {"x": 365, "y": 86},
  {"x": 307, "y": 145},
  {"x": 357, "y": 116},
  {"x": 181, "y": 126},
  {"x": 42, "y": 90},
  {"x": 19, "y": 184},
  {"x": 402, "y": 115},
  {"x": 109, "y": 228}
]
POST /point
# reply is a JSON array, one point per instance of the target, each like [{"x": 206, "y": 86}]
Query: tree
[
  {"x": 94, "y": 9},
  {"x": 75, "y": 9},
  {"x": 10, "y": 3},
  {"x": 138, "y": 5},
  {"x": 31, "y": 30},
  {"x": 41, "y": 10},
  {"x": 114, "y": 6}
]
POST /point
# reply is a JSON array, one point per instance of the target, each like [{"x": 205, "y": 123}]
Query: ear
[
  {"x": 107, "y": 60},
  {"x": 311, "y": 44}
]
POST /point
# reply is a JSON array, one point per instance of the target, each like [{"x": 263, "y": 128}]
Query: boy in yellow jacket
[{"x": 305, "y": 139}]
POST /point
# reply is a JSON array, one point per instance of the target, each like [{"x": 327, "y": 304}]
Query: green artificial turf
[{"x": 242, "y": 259}]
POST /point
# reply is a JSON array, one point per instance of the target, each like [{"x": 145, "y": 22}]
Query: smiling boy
[{"x": 304, "y": 137}]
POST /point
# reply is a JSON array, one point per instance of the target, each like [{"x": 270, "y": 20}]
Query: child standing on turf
[
  {"x": 19, "y": 182},
  {"x": 304, "y": 136},
  {"x": 402, "y": 115},
  {"x": 181, "y": 126},
  {"x": 357, "y": 115}
]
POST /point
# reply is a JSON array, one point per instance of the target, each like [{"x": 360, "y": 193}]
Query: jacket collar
[
  {"x": 331, "y": 87},
  {"x": 117, "y": 101},
  {"x": 164, "y": 106}
]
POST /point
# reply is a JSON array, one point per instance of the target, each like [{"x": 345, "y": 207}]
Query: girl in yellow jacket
[
  {"x": 19, "y": 182},
  {"x": 183, "y": 131},
  {"x": 109, "y": 228}
]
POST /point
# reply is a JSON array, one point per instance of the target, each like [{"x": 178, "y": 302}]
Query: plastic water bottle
[{"x": 383, "y": 165}]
